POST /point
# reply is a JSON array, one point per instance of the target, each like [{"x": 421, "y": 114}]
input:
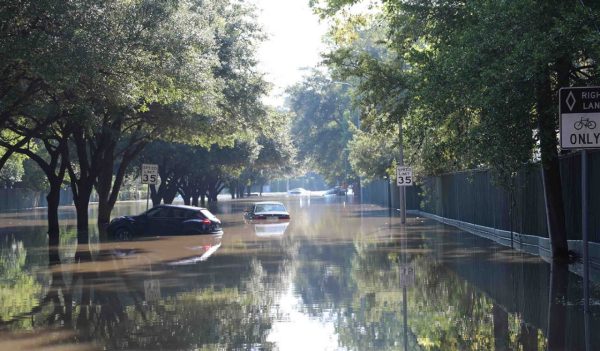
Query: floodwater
[{"x": 338, "y": 276}]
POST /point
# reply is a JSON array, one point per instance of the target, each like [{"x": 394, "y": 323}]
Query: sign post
[
  {"x": 150, "y": 177},
  {"x": 579, "y": 109}
]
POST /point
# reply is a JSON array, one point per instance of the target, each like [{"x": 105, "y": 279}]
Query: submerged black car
[{"x": 165, "y": 220}]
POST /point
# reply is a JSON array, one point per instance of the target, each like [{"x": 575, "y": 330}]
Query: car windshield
[{"x": 269, "y": 208}]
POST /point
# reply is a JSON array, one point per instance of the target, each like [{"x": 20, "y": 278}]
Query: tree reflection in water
[
  {"x": 474, "y": 301},
  {"x": 19, "y": 290},
  {"x": 168, "y": 293},
  {"x": 102, "y": 299}
]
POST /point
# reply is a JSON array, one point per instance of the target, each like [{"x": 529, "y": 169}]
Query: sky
[{"x": 293, "y": 44}]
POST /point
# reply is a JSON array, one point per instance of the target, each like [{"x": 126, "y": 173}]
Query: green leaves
[
  {"x": 322, "y": 126},
  {"x": 462, "y": 73}
]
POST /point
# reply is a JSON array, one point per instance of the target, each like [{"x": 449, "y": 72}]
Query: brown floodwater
[{"x": 338, "y": 276}]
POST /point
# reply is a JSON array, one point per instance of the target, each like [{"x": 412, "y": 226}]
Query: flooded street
[{"x": 337, "y": 276}]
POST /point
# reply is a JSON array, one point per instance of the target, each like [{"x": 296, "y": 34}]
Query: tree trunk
[
  {"x": 82, "y": 180},
  {"x": 195, "y": 201},
  {"x": 203, "y": 200},
  {"x": 103, "y": 185},
  {"x": 53, "y": 199},
  {"x": 81, "y": 198},
  {"x": 155, "y": 195},
  {"x": 104, "y": 210},
  {"x": 550, "y": 168},
  {"x": 232, "y": 189},
  {"x": 170, "y": 194},
  {"x": 501, "y": 334},
  {"x": 557, "y": 311},
  {"x": 528, "y": 337}
]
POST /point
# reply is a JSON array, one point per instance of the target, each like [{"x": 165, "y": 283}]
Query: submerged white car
[
  {"x": 298, "y": 191},
  {"x": 267, "y": 210}
]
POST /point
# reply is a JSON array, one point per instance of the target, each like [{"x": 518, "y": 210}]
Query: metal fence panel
[{"x": 473, "y": 197}]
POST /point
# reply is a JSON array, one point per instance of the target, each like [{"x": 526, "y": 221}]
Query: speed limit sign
[
  {"x": 149, "y": 174},
  {"x": 404, "y": 176}
]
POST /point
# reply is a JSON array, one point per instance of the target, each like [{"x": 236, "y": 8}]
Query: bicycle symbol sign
[
  {"x": 579, "y": 117},
  {"x": 584, "y": 122}
]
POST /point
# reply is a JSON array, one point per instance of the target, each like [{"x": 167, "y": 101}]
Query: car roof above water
[
  {"x": 269, "y": 203},
  {"x": 185, "y": 207}
]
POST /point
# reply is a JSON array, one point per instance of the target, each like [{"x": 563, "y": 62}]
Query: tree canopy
[{"x": 323, "y": 124}]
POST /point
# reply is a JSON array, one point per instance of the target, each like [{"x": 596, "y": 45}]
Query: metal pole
[
  {"x": 147, "y": 196},
  {"x": 405, "y": 317},
  {"x": 404, "y": 245},
  {"x": 401, "y": 189},
  {"x": 584, "y": 242}
]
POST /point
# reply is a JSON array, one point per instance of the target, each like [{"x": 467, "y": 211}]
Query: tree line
[{"x": 88, "y": 89}]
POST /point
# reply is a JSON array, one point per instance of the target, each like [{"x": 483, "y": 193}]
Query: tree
[
  {"x": 276, "y": 155},
  {"x": 13, "y": 170},
  {"x": 323, "y": 123},
  {"x": 373, "y": 158},
  {"x": 123, "y": 73}
]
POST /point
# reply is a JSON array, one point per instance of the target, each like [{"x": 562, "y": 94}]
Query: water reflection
[
  {"x": 337, "y": 276},
  {"x": 270, "y": 229}
]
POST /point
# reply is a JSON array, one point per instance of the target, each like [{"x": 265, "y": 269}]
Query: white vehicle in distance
[
  {"x": 267, "y": 210},
  {"x": 298, "y": 191}
]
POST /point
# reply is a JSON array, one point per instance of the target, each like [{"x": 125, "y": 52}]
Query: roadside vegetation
[{"x": 474, "y": 84}]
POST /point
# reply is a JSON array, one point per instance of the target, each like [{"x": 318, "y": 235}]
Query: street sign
[
  {"x": 579, "y": 117},
  {"x": 149, "y": 174},
  {"x": 404, "y": 176},
  {"x": 579, "y": 109},
  {"x": 406, "y": 276},
  {"x": 152, "y": 290}
]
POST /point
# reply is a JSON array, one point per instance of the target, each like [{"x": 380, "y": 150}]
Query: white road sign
[
  {"x": 149, "y": 174},
  {"x": 152, "y": 290},
  {"x": 404, "y": 176},
  {"x": 580, "y": 118},
  {"x": 406, "y": 276}
]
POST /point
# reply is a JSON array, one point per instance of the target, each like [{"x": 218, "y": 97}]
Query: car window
[
  {"x": 153, "y": 212},
  {"x": 193, "y": 214},
  {"x": 269, "y": 208},
  {"x": 160, "y": 213},
  {"x": 180, "y": 213}
]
